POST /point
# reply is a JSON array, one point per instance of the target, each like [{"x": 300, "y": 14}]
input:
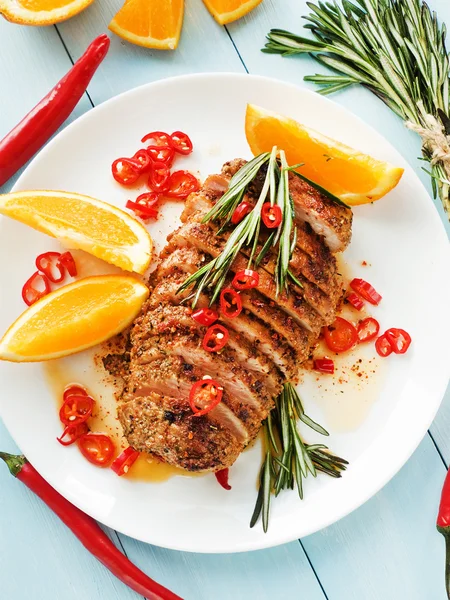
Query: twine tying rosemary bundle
[{"x": 395, "y": 48}]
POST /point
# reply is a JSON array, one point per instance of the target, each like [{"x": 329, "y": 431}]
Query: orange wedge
[
  {"x": 85, "y": 223},
  {"x": 41, "y": 12},
  {"x": 354, "y": 177},
  {"x": 226, "y": 11},
  {"x": 150, "y": 23},
  {"x": 73, "y": 318}
]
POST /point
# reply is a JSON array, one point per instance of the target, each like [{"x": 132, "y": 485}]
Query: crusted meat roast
[{"x": 268, "y": 341}]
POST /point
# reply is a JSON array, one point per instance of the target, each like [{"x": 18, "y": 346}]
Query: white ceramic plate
[{"x": 400, "y": 236}]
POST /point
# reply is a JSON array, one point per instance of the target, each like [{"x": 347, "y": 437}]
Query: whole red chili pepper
[
  {"x": 87, "y": 531},
  {"x": 22, "y": 142},
  {"x": 443, "y": 526}
]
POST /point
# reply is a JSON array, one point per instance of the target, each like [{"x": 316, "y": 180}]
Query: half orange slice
[
  {"x": 352, "y": 176},
  {"x": 85, "y": 223},
  {"x": 73, "y": 318}
]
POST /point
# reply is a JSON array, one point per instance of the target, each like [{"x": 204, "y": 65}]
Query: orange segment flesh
[
  {"x": 150, "y": 23},
  {"x": 83, "y": 222},
  {"x": 226, "y": 11},
  {"x": 41, "y": 12},
  {"x": 354, "y": 177},
  {"x": 73, "y": 318}
]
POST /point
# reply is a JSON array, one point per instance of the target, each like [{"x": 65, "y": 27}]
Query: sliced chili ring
[
  {"x": 207, "y": 391},
  {"x": 158, "y": 180},
  {"x": 215, "y": 338},
  {"x": 164, "y": 154},
  {"x": 181, "y": 184},
  {"x": 368, "y": 329},
  {"x": 245, "y": 279},
  {"x": 35, "y": 288},
  {"x": 340, "y": 336},
  {"x": 141, "y": 210},
  {"x": 399, "y": 339},
  {"x": 271, "y": 215},
  {"x": 122, "y": 464},
  {"x": 48, "y": 263},
  {"x": 383, "y": 346},
  {"x": 143, "y": 158},
  {"x": 157, "y": 138},
  {"x": 72, "y": 433},
  {"x": 366, "y": 290},
  {"x": 74, "y": 390},
  {"x": 355, "y": 301},
  {"x": 241, "y": 211},
  {"x": 324, "y": 365},
  {"x": 67, "y": 261},
  {"x": 126, "y": 171},
  {"x": 76, "y": 409},
  {"x": 181, "y": 142},
  {"x": 230, "y": 303},
  {"x": 97, "y": 448},
  {"x": 205, "y": 316},
  {"x": 222, "y": 478}
]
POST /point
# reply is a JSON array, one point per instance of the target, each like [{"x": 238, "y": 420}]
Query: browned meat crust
[{"x": 268, "y": 341}]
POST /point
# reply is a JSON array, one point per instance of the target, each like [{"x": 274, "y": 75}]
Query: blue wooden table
[{"x": 389, "y": 548}]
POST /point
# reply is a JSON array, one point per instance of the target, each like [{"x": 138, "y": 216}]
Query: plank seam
[
  {"x": 437, "y": 449},
  {"x": 313, "y": 570},
  {"x": 236, "y": 48},
  {"x": 71, "y": 59}
]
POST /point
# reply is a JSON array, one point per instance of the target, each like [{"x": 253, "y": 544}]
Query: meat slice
[
  {"x": 327, "y": 218},
  {"x": 165, "y": 426}
]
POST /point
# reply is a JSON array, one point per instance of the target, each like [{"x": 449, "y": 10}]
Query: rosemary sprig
[
  {"x": 288, "y": 459},
  {"x": 275, "y": 190},
  {"x": 395, "y": 48}
]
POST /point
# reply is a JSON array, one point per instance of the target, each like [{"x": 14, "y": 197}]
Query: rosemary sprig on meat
[
  {"x": 395, "y": 48},
  {"x": 288, "y": 458},
  {"x": 275, "y": 190}
]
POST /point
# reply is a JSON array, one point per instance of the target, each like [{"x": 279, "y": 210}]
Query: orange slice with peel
[
  {"x": 73, "y": 318},
  {"x": 352, "y": 176},
  {"x": 226, "y": 11},
  {"x": 85, "y": 223},
  {"x": 41, "y": 12},
  {"x": 150, "y": 23}
]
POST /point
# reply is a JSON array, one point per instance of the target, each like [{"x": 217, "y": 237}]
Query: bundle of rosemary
[{"x": 395, "y": 48}]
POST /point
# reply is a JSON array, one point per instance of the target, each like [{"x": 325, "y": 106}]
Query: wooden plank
[
  {"x": 39, "y": 557},
  {"x": 281, "y": 573},
  {"x": 32, "y": 60},
  {"x": 389, "y": 548},
  {"x": 204, "y": 46}
]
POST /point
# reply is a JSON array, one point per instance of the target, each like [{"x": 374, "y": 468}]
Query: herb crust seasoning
[{"x": 285, "y": 287}]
